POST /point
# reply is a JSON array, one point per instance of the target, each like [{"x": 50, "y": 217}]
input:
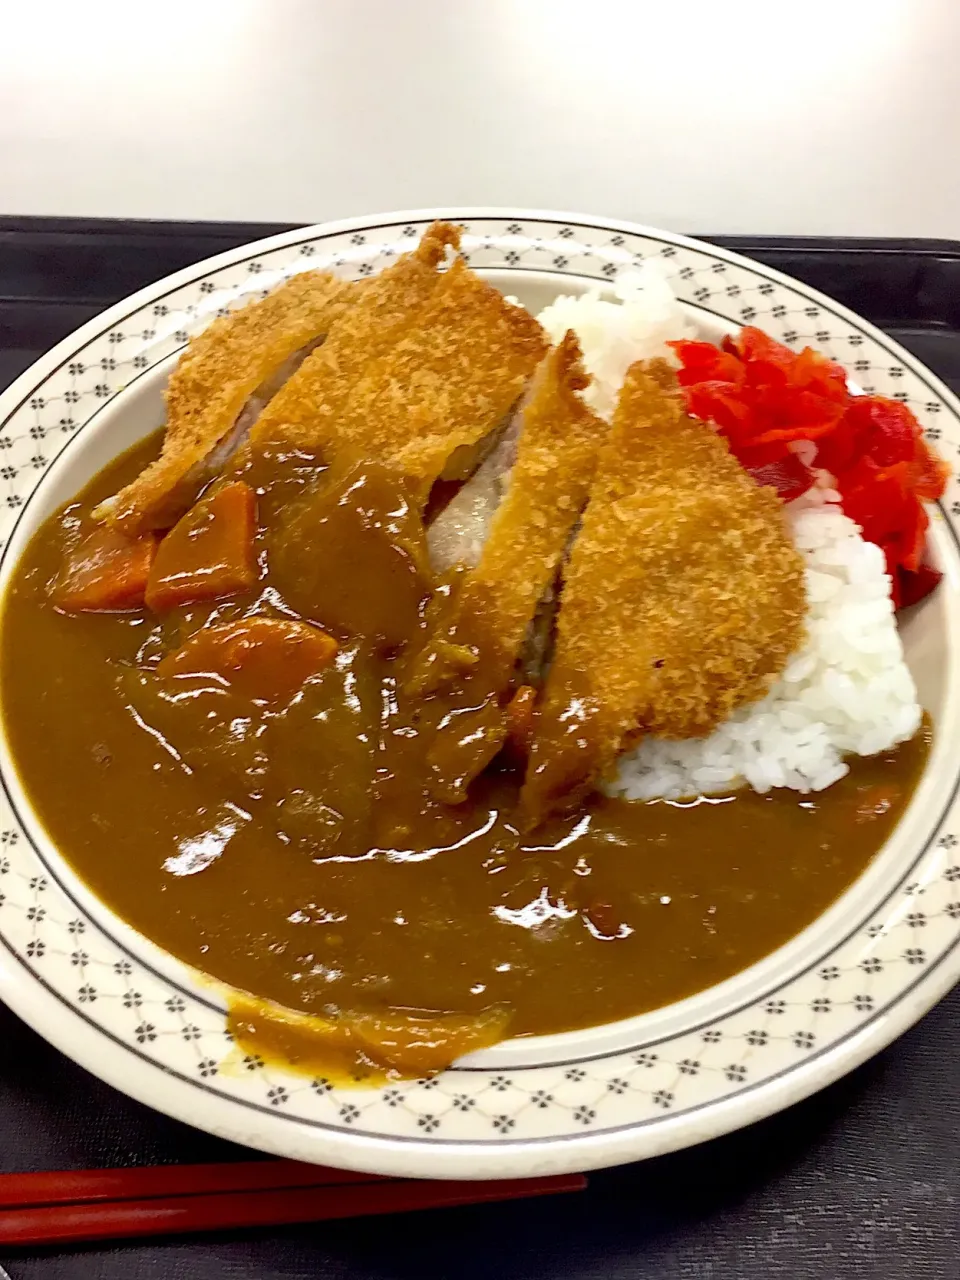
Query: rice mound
[
  {"x": 847, "y": 691},
  {"x": 614, "y": 334}
]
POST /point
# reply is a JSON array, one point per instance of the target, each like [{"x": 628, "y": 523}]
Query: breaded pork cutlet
[
  {"x": 227, "y": 372},
  {"x": 307, "y": 411},
  {"x": 556, "y": 427},
  {"x": 683, "y": 596},
  {"x": 425, "y": 407},
  {"x": 546, "y": 491},
  {"x": 496, "y": 602}
]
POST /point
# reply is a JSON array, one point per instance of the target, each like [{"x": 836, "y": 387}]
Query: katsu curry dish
[{"x": 439, "y": 673}]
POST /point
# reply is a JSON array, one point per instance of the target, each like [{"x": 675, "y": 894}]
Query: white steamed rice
[
  {"x": 614, "y": 334},
  {"x": 848, "y": 690}
]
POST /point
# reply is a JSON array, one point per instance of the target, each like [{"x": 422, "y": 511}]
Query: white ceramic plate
[{"x": 859, "y": 976}]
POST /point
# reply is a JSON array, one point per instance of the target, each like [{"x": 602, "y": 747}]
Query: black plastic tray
[
  {"x": 862, "y": 1180},
  {"x": 56, "y": 273}
]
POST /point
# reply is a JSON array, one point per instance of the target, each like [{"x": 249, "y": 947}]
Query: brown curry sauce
[{"x": 243, "y": 839}]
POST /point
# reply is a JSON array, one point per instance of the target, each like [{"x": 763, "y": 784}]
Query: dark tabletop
[{"x": 862, "y": 1180}]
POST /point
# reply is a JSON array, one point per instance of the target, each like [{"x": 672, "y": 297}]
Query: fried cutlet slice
[
  {"x": 472, "y": 654},
  {"x": 306, "y": 413},
  {"x": 424, "y": 408},
  {"x": 459, "y": 533},
  {"x": 238, "y": 357},
  {"x": 546, "y": 492},
  {"x": 683, "y": 596},
  {"x": 458, "y": 527}
]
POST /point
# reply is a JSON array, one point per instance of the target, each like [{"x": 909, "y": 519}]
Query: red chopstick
[
  {"x": 67, "y": 1186},
  {"x": 120, "y": 1203}
]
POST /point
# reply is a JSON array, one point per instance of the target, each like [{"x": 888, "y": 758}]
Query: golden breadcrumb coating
[
  {"x": 445, "y": 386},
  {"x": 306, "y": 412},
  {"x": 546, "y": 492},
  {"x": 221, "y": 368},
  {"x": 477, "y": 637},
  {"x": 684, "y": 595}
]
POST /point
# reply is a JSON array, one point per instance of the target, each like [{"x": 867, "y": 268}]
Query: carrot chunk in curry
[
  {"x": 268, "y": 659},
  {"x": 209, "y": 553},
  {"x": 106, "y": 572}
]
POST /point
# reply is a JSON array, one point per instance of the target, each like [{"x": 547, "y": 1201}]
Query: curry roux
[{"x": 244, "y": 841}]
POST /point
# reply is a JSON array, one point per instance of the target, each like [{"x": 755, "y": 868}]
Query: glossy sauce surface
[{"x": 290, "y": 851}]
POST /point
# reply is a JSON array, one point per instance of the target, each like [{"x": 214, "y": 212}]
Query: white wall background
[{"x": 812, "y": 117}]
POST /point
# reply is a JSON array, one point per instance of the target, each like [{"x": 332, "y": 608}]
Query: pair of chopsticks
[{"x": 111, "y": 1204}]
